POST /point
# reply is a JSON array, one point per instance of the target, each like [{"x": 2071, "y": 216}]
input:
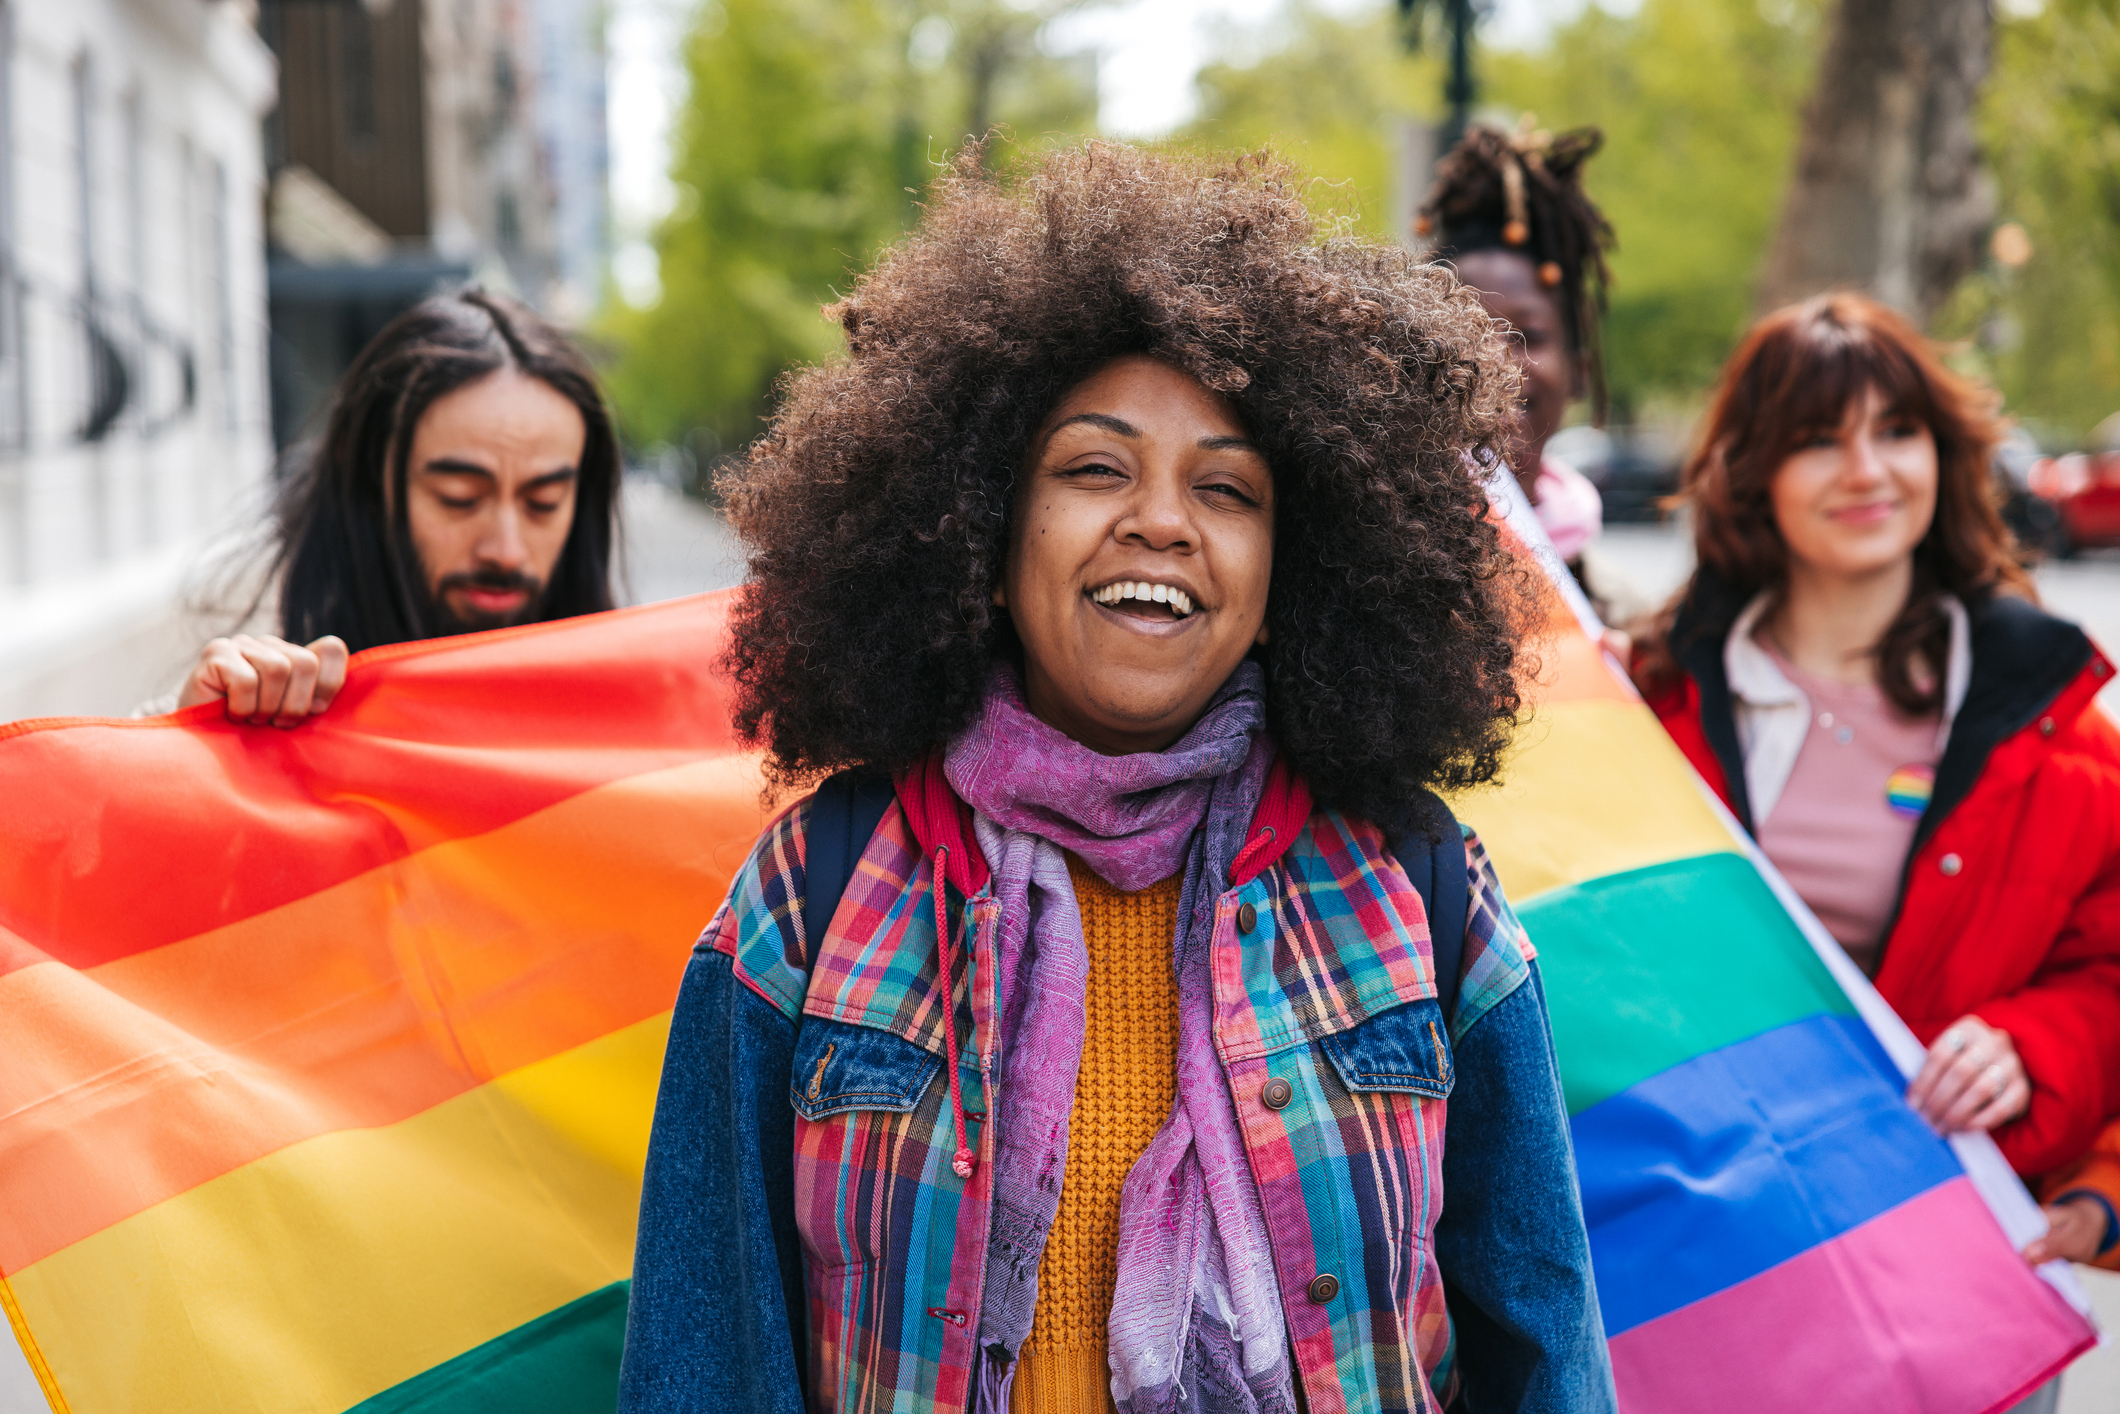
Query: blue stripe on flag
[{"x": 1721, "y": 1167}]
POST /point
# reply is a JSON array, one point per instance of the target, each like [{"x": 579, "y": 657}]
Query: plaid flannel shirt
[{"x": 1333, "y": 992}]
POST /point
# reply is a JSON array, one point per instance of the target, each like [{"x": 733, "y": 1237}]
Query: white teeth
[{"x": 1180, "y": 602}]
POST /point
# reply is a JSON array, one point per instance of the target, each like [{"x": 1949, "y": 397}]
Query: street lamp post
[{"x": 1458, "y": 17}]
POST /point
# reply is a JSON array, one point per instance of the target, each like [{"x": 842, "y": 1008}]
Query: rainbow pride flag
[
  {"x": 327, "y": 1057},
  {"x": 1772, "y": 1227}
]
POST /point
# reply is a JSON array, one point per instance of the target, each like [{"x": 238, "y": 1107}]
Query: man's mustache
[{"x": 490, "y": 577}]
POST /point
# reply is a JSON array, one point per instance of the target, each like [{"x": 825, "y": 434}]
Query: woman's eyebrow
[
  {"x": 1230, "y": 444},
  {"x": 1096, "y": 419}
]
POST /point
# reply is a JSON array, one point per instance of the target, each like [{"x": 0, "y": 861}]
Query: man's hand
[
  {"x": 1971, "y": 1080},
  {"x": 267, "y": 680},
  {"x": 2075, "y": 1227}
]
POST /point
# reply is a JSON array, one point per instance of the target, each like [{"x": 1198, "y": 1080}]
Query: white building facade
[
  {"x": 572, "y": 120},
  {"x": 134, "y": 416}
]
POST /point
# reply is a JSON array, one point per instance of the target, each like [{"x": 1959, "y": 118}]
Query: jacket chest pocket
[
  {"x": 1401, "y": 1051},
  {"x": 865, "y": 1118},
  {"x": 1388, "y": 1086}
]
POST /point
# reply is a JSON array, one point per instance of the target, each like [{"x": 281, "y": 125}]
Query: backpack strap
[
  {"x": 843, "y": 815},
  {"x": 1430, "y": 847}
]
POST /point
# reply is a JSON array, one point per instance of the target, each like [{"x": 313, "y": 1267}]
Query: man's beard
[{"x": 445, "y": 620}]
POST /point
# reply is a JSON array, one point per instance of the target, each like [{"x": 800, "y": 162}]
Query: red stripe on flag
[{"x": 116, "y": 837}]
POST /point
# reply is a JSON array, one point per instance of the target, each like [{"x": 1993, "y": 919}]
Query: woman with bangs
[{"x": 1859, "y": 669}]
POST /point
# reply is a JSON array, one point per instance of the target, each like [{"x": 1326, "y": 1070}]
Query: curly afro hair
[{"x": 877, "y": 508}]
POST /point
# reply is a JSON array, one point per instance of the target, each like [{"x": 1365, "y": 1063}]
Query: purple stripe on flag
[{"x": 1924, "y": 1309}]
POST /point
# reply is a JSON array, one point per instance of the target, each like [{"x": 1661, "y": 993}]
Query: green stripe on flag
[
  {"x": 1650, "y": 968},
  {"x": 564, "y": 1362}
]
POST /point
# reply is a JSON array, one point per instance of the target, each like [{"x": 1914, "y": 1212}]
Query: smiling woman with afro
[{"x": 1107, "y": 1031}]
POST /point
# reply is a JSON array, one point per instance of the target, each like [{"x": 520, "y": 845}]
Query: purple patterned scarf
[{"x": 1196, "y": 1322}]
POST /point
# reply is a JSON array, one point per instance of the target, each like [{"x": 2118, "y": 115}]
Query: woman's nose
[
  {"x": 1865, "y": 460},
  {"x": 1160, "y": 516}
]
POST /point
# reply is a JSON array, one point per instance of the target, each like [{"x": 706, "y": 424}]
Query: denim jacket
[{"x": 805, "y": 1244}]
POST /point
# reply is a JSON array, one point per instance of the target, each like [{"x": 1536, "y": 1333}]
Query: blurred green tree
[
  {"x": 809, "y": 127},
  {"x": 1330, "y": 93},
  {"x": 2048, "y": 328},
  {"x": 1888, "y": 193},
  {"x": 1699, "y": 101}
]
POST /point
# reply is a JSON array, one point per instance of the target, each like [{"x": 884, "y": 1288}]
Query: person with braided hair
[{"x": 1508, "y": 211}]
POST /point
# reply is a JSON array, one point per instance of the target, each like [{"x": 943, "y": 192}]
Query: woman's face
[
  {"x": 1855, "y": 500},
  {"x": 1509, "y": 289},
  {"x": 489, "y": 495},
  {"x": 1142, "y": 552}
]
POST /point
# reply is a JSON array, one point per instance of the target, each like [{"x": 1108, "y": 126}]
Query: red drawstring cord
[{"x": 964, "y": 1159}]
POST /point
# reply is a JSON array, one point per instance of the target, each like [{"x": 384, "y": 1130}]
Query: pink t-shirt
[{"x": 1842, "y": 827}]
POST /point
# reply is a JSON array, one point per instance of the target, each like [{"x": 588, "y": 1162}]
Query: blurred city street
[{"x": 672, "y": 545}]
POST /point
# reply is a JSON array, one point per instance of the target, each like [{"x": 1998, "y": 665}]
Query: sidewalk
[{"x": 671, "y": 545}]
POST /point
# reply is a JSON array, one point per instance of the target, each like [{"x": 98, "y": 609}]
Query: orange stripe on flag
[
  {"x": 357, "y": 1006},
  {"x": 1571, "y": 669}
]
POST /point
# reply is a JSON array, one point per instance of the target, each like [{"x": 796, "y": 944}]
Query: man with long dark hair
[{"x": 467, "y": 479}]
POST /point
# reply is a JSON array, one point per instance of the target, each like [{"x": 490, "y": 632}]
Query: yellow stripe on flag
[
  {"x": 332, "y": 1270},
  {"x": 1591, "y": 787},
  {"x": 358, "y": 1006}
]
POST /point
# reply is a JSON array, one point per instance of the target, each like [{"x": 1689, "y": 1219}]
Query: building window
[
  {"x": 357, "y": 71},
  {"x": 221, "y": 262},
  {"x": 14, "y": 370},
  {"x": 84, "y": 103},
  {"x": 105, "y": 378}
]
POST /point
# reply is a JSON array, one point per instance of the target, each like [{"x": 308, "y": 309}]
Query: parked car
[
  {"x": 2083, "y": 490},
  {"x": 2034, "y": 520}
]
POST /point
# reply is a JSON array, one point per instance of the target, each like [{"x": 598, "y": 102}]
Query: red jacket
[{"x": 2009, "y": 903}]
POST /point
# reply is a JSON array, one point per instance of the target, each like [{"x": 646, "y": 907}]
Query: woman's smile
[
  {"x": 1144, "y": 603},
  {"x": 1867, "y": 513}
]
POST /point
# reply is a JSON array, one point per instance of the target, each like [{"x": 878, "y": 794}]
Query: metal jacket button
[
  {"x": 1277, "y": 1094},
  {"x": 2046, "y": 726},
  {"x": 1950, "y": 864},
  {"x": 1247, "y": 918},
  {"x": 1324, "y": 1287}
]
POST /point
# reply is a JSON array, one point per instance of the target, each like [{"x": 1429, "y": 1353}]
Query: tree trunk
[{"x": 1889, "y": 195}]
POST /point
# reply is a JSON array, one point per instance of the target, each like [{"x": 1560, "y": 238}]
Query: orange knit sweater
[{"x": 1123, "y": 1093}]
